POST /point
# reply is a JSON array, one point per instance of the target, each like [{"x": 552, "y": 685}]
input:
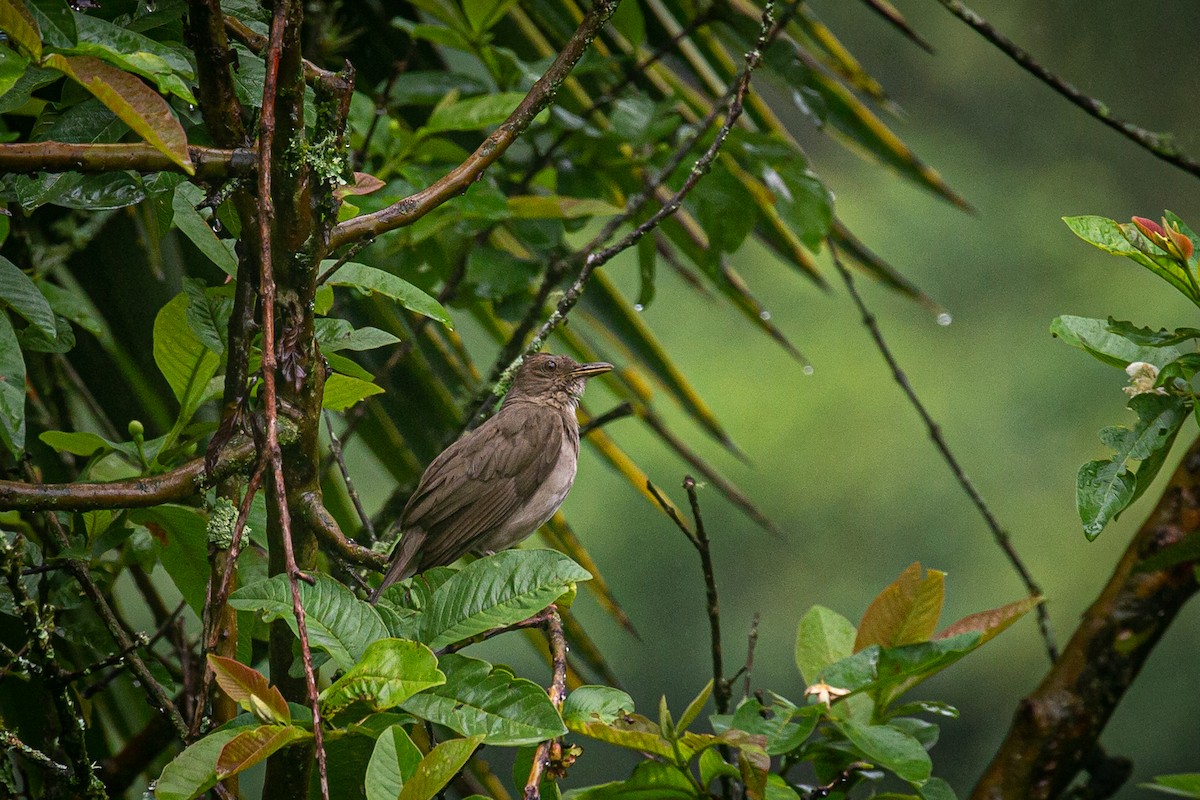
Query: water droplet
[
  {"x": 764, "y": 315},
  {"x": 944, "y": 318},
  {"x": 638, "y": 307},
  {"x": 191, "y": 107},
  {"x": 216, "y": 224},
  {"x": 808, "y": 369}
]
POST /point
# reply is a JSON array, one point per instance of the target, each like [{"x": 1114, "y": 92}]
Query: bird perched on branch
[{"x": 500, "y": 482}]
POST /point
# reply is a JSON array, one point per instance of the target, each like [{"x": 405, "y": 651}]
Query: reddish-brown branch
[
  {"x": 281, "y": 54},
  {"x": 1055, "y": 731},
  {"x": 330, "y": 533},
  {"x": 180, "y": 483},
  {"x": 211, "y": 163},
  {"x": 549, "y": 752},
  {"x": 455, "y": 182}
]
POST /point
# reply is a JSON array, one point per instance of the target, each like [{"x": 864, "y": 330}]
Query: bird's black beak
[{"x": 591, "y": 370}]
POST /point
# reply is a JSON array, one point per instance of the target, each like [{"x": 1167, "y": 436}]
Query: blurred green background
[{"x": 840, "y": 460}]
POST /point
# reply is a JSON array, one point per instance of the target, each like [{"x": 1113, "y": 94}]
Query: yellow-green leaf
[
  {"x": 906, "y": 612},
  {"x": 136, "y": 104},
  {"x": 21, "y": 27}
]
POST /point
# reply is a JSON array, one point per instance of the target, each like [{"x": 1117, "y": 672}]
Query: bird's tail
[{"x": 403, "y": 562}]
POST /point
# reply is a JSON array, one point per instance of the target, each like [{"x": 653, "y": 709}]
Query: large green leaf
[
  {"x": 12, "y": 389},
  {"x": 181, "y": 533},
  {"x": 130, "y": 50},
  {"x": 479, "y": 699},
  {"x": 194, "y": 771},
  {"x": 183, "y": 360},
  {"x": 496, "y": 591},
  {"x": 394, "y": 759},
  {"x": 18, "y": 292},
  {"x": 389, "y": 672},
  {"x": 192, "y": 225},
  {"x": 1105, "y": 488},
  {"x": 338, "y": 622},
  {"x": 376, "y": 281},
  {"x": 1095, "y": 336},
  {"x": 437, "y": 768},
  {"x": 822, "y": 638},
  {"x": 473, "y": 113},
  {"x": 891, "y": 748},
  {"x": 650, "y": 779}
]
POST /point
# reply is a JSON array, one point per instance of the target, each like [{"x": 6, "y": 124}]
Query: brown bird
[{"x": 500, "y": 482}]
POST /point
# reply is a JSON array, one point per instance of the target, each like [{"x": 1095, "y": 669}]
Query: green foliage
[{"x": 1161, "y": 391}]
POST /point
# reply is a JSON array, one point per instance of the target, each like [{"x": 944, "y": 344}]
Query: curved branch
[
  {"x": 330, "y": 533},
  {"x": 210, "y": 162},
  {"x": 178, "y": 484},
  {"x": 455, "y": 182},
  {"x": 1055, "y": 730},
  {"x": 1159, "y": 144}
]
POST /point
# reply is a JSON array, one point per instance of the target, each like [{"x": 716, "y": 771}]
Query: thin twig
[
  {"x": 9, "y": 741},
  {"x": 335, "y": 447},
  {"x": 935, "y": 433},
  {"x": 266, "y": 135},
  {"x": 617, "y": 412},
  {"x": 594, "y": 254},
  {"x": 751, "y": 643},
  {"x": 1161, "y": 145},
  {"x": 550, "y": 752},
  {"x": 721, "y": 688},
  {"x": 453, "y": 183},
  {"x": 104, "y": 610},
  {"x": 351, "y": 251}
]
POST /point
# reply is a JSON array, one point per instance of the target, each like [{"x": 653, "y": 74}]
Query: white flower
[{"x": 1142, "y": 377}]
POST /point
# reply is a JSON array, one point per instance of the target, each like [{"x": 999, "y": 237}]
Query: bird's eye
[{"x": 551, "y": 366}]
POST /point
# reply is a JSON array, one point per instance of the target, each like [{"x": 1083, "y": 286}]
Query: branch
[
  {"x": 459, "y": 179},
  {"x": 1161, "y": 145},
  {"x": 594, "y": 254},
  {"x": 211, "y": 163},
  {"x": 935, "y": 433},
  {"x": 1055, "y": 729},
  {"x": 257, "y": 43},
  {"x": 178, "y": 484},
  {"x": 549, "y": 753},
  {"x": 330, "y": 533}
]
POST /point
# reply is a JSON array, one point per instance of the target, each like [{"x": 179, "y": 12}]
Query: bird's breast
[{"x": 542, "y": 503}]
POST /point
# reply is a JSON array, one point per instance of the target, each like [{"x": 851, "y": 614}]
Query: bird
[{"x": 499, "y": 483}]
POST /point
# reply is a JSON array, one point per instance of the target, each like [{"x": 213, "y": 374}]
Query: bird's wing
[{"x": 480, "y": 481}]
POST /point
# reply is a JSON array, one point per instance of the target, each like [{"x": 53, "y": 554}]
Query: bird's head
[{"x": 550, "y": 376}]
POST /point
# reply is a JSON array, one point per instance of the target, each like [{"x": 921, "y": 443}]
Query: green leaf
[
  {"x": 596, "y": 703},
  {"x": 784, "y": 726},
  {"x": 1182, "y": 785},
  {"x": 339, "y": 334},
  {"x": 192, "y": 225},
  {"x": 937, "y": 789},
  {"x": 182, "y": 536},
  {"x": 694, "y": 708},
  {"x": 253, "y": 746},
  {"x": 651, "y": 780},
  {"x": 12, "y": 389},
  {"x": 80, "y": 443},
  {"x": 890, "y": 748},
  {"x": 473, "y": 113},
  {"x": 1104, "y": 489},
  {"x": 18, "y": 292},
  {"x": 183, "y": 360},
  {"x": 437, "y": 768},
  {"x": 631, "y": 731},
  {"x": 389, "y": 672},
  {"x": 394, "y": 759},
  {"x": 13, "y": 67},
  {"x": 193, "y": 772},
  {"x": 21, "y": 28},
  {"x": 1151, "y": 338},
  {"x": 136, "y": 53},
  {"x": 905, "y": 612},
  {"x": 376, "y": 281},
  {"x": 1094, "y": 337},
  {"x": 138, "y": 106},
  {"x": 1123, "y": 239},
  {"x": 496, "y": 591},
  {"x": 55, "y": 21},
  {"x": 338, "y": 622},
  {"x": 488, "y": 702},
  {"x": 898, "y": 669},
  {"x": 343, "y": 391},
  {"x": 822, "y": 638},
  {"x": 208, "y": 314},
  {"x": 802, "y": 200}
]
